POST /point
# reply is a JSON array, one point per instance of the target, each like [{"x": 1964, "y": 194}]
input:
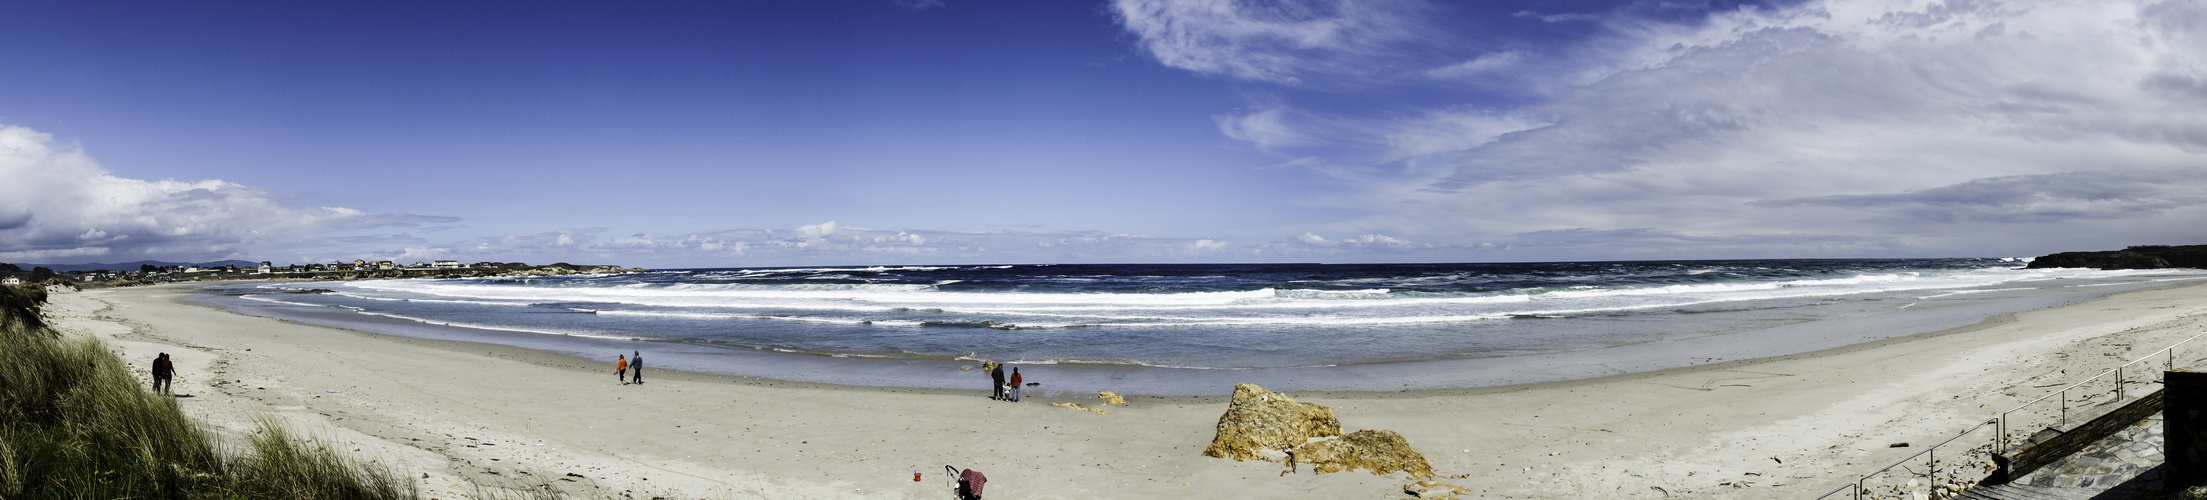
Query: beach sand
[{"x": 464, "y": 414}]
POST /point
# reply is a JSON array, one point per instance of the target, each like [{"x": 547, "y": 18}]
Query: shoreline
[
  {"x": 1784, "y": 427},
  {"x": 1928, "y": 315}
]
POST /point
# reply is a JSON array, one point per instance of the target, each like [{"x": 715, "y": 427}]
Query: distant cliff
[{"x": 2138, "y": 257}]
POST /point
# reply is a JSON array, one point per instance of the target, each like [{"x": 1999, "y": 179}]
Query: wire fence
[{"x": 2053, "y": 412}]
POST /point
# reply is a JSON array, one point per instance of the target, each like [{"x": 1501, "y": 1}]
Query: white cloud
[
  {"x": 1483, "y": 65},
  {"x": 57, "y": 204},
  {"x": 1906, "y": 127},
  {"x": 1279, "y": 41},
  {"x": 826, "y": 243}
]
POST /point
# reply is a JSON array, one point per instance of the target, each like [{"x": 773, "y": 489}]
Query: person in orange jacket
[{"x": 620, "y": 369}]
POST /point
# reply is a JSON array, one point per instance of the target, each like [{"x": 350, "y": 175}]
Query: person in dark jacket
[
  {"x": 997, "y": 375},
  {"x": 163, "y": 372},
  {"x": 637, "y": 363}
]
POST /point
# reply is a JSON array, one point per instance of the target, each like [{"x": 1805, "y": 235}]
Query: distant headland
[
  {"x": 2137, "y": 257},
  {"x": 148, "y": 273}
]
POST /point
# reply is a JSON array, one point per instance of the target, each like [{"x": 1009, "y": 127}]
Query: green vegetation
[{"x": 74, "y": 423}]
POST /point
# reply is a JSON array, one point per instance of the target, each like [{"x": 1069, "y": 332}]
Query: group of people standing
[
  {"x": 1005, "y": 391},
  {"x": 624, "y": 364}
]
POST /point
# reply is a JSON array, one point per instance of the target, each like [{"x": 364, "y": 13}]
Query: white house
[
  {"x": 267, "y": 267},
  {"x": 446, "y": 264}
]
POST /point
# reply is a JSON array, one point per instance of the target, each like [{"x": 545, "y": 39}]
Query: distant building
[
  {"x": 445, "y": 264},
  {"x": 385, "y": 265},
  {"x": 267, "y": 267},
  {"x": 11, "y": 280}
]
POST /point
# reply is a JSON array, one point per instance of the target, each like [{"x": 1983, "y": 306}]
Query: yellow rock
[
  {"x": 1379, "y": 451},
  {"x": 1111, "y": 398},
  {"x": 1433, "y": 489},
  {"x": 1259, "y": 420},
  {"x": 1079, "y": 407}
]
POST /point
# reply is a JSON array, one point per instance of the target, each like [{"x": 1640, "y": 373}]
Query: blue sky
[{"x": 713, "y": 134}]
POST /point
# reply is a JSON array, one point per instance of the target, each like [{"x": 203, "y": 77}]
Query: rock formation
[
  {"x": 1077, "y": 406},
  {"x": 1382, "y": 452},
  {"x": 1259, "y": 420},
  {"x": 1431, "y": 489},
  {"x": 2138, "y": 257},
  {"x": 1265, "y": 425}
]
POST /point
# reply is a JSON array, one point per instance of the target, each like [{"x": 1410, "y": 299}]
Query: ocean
[{"x": 1200, "y": 328}]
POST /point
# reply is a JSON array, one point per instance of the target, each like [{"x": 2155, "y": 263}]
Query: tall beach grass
[{"x": 74, "y": 423}]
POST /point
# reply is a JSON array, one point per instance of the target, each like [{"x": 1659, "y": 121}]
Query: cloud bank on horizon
[{"x": 1639, "y": 131}]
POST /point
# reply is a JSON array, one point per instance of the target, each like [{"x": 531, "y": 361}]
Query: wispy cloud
[
  {"x": 918, "y": 4},
  {"x": 1280, "y": 42},
  {"x": 2090, "y": 195},
  {"x": 57, "y": 204},
  {"x": 1911, "y": 127},
  {"x": 825, "y": 243},
  {"x": 1556, "y": 18}
]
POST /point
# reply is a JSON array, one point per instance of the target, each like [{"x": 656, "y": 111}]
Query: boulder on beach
[
  {"x": 1259, "y": 420},
  {"x": 1379, "y": 451}
]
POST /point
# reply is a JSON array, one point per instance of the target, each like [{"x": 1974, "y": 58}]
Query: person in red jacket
[
  {"x": 1016, "y": 380},
  {"x": 620, "y": 369}
]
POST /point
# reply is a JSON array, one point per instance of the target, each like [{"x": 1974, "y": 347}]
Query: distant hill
[
  {"x": 133, "y": 266},
  {"x": 2138, "y": 257}
]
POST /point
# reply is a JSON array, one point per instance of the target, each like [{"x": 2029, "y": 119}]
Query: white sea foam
[{"x": 911, "y": 305}]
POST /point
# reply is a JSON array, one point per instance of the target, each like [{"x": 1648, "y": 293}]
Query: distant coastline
[{"x": 2137, "y": 257}]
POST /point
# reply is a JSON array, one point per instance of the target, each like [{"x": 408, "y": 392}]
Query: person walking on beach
[
  {"x": 997, "y": 375},
  {"x": 1016, "y": 379},
  {"x": 163, "y": 372},
  {"x": 637, "y": 362},
  {"x": 620, "y": 368}
]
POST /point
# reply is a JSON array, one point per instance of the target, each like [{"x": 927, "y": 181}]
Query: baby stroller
[{"x": 965, "y": 484}]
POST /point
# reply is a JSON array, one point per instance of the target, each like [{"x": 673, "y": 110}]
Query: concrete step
[{"x": 2017, "y": 491}]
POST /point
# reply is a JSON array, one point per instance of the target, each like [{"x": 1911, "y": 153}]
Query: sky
[{"x": 873, "y": 132}]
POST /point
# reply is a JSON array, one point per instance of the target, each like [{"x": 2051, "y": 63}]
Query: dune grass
[{"x": 74, "y": 423}]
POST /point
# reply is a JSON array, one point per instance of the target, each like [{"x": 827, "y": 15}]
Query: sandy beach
[{"x": 452, "y": 415}]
